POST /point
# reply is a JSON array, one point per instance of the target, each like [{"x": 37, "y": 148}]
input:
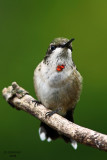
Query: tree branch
[{"x": 21, "y": 100}]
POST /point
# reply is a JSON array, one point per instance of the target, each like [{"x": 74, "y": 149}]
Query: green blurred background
[{"x": 26, "y": 29}]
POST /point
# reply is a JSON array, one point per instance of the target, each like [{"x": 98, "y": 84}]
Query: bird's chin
[{"x": 66, "y": 52}]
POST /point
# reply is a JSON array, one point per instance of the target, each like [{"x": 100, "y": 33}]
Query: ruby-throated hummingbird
[{"x": 58, "y": 85}]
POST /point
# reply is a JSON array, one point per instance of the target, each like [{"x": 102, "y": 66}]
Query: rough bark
[{"x": 20, "y": 99}]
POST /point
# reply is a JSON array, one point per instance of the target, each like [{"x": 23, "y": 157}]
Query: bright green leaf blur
[{"x": 26, "y": 29}]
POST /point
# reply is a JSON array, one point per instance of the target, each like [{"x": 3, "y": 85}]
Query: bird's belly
[{"x": 64, "y": 96}]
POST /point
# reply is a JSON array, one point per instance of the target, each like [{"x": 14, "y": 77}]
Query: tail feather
[
  {"x": 74, "y": 144},
  {"x": 42, "y": 133},
  {"x": 49, "y": 134},
  {"x": 69, "y": 116}
]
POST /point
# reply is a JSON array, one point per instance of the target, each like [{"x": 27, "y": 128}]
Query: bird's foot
[
  {"x": 36, "y": 102},
  {"x": 50, "y": 113}
]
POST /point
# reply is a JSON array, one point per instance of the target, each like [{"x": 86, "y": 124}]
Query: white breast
[{"x": 55, "y": 89}]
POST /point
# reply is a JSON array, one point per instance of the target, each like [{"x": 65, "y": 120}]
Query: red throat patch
[{"x": 60, "y": 67}]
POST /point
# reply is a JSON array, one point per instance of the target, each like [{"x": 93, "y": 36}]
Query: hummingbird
[{"x": 58, "y": 85}]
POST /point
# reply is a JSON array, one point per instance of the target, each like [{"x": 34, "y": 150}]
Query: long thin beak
[{"x": 68, "y": 43}]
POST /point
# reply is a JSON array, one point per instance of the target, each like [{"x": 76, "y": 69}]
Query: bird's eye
[{"x": 53, "y": 47}]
